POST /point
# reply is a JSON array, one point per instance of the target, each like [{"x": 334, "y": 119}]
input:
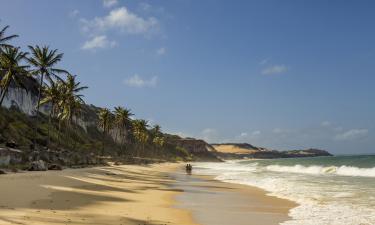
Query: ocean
[{"x": 337, "y": 190}]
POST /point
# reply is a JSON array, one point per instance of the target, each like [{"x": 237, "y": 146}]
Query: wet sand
[{"x": 214, "y": 202}]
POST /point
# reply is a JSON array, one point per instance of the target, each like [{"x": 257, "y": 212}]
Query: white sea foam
[
  {"x": 317, "y": 170},
  {"x": 327, "y": 195}
]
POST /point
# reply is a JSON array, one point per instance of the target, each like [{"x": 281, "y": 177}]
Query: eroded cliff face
[
  {"x": 201, "y": 150},
  {"x": 26, "y": 101}
]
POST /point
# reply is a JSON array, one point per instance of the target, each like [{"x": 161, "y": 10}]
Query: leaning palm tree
[
  {"x": 122, "y": 121},
  {"x": 13, "y": 72},
  {"x": 105, "y": 123},
  {"x": 4, "y": 39}
]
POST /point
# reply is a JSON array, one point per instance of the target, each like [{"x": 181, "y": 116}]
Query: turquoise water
[{"x": 329, "y": 190}]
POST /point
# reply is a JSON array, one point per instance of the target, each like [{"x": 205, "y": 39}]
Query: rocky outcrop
[
  {"x": 55, "y": 167},
  {"x": 9, "y": 156},
  {"x": 306, "y": 153},
  {"x": 39, "y": 165},
  {"x": 243, "y": 150},
  {"x": 64, "y": 157}
]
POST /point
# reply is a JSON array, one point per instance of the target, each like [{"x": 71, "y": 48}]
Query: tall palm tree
[
  {"x": 53, "y": 95},
  {"x": 122, "y": 121},
  {"x": 105, "y": 123},
  {"x": 44, "y": 61},
  {"x": 141, "y": 133},
  {"x": 4, "y": 39},
  {"x": 10, "y": 65},
  {"x": 157, "y": 138}
]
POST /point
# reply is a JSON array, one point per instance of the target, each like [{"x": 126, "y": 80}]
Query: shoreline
[
  {"x": 154, "y": 194},
  {"x": 215, "y": 202}
]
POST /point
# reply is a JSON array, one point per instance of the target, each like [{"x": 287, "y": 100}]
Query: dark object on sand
[
  {"x": 2, "y": 172},
  {"x": 54, "y": 167},
  {"x": 11, "y": 144},
  {"x": 189, "y": 168}
]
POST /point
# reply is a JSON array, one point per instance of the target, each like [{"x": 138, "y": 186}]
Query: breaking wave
[{"x": 318, "y": 170}]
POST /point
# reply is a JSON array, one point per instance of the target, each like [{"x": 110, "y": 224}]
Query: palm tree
[
  {"x": 44, "y": 60},
  {"x": 157, "y": 137},
  {"x": 141, "y": 133},
  {"x": 53, "y": 95},
  {"x": 156, "y": 130},
  {"x": 105, "y": 122},
  {"x": 10, "y": 66},
  {"x": 4, "y": 39},
  {"x": 122, "y": 121},
  {"x": 72, "y": 100}
]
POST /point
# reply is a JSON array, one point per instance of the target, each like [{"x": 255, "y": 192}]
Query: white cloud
[
  {"x": 109, "y": 3},
  {"x": 264, "y": 61},
  {"x": 137, "y": 81},
  {"x": 73, "y": 13},
  {"x": 161, "y": 51},
  {"x": 351, "y": 134},
  {"x": 145, "y": 6},
  {"x": 98, "y": 42},
  {"x": 325, "y": 124},
  {"x": 277, "y": 130},
  {"x": 120, "y": 19},
  {"x": 256, "y": 133},
  {"x": 275, "y": 69},
  {"x": 209, "y": 135},
  {"x": 243, "y": 135}
]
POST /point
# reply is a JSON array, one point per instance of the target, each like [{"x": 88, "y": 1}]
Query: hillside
[
  {"x": 245, "y": 150},
  {"x": 83, "y": 143}
]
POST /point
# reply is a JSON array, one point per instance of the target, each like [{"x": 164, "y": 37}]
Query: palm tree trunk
[
  {"x": 49, "y": 124},
  {"x": 58, "y": 133},
  {"x": 37, "y": 108},
  {"x": 3, "y": 93}
]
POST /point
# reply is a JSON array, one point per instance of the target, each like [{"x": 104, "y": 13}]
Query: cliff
[
  {"x": 199, "y": 149},
  {"x": 245, "y": 150}
]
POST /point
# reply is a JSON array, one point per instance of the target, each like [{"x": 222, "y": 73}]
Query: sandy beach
[{"x": 157, "y": 194}]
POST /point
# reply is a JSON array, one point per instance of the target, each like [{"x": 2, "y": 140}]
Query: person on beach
[{"x": 188, "y": 168}]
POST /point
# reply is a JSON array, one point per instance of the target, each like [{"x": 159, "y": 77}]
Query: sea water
[{"x": 329, "y": 190}]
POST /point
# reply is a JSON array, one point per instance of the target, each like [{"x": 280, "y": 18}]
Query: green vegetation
[{"x": 70, "y": 124}]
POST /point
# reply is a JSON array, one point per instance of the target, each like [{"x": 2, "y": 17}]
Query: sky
[{"x": 278, "y": 74}]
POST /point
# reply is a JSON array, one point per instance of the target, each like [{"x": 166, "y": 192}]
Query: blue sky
[{"x": 279, "y": 74}]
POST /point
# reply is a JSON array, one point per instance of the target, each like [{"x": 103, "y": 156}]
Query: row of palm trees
[
  {"x": 63, "y": 95},
  {"x": 128, "y": 129}
]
